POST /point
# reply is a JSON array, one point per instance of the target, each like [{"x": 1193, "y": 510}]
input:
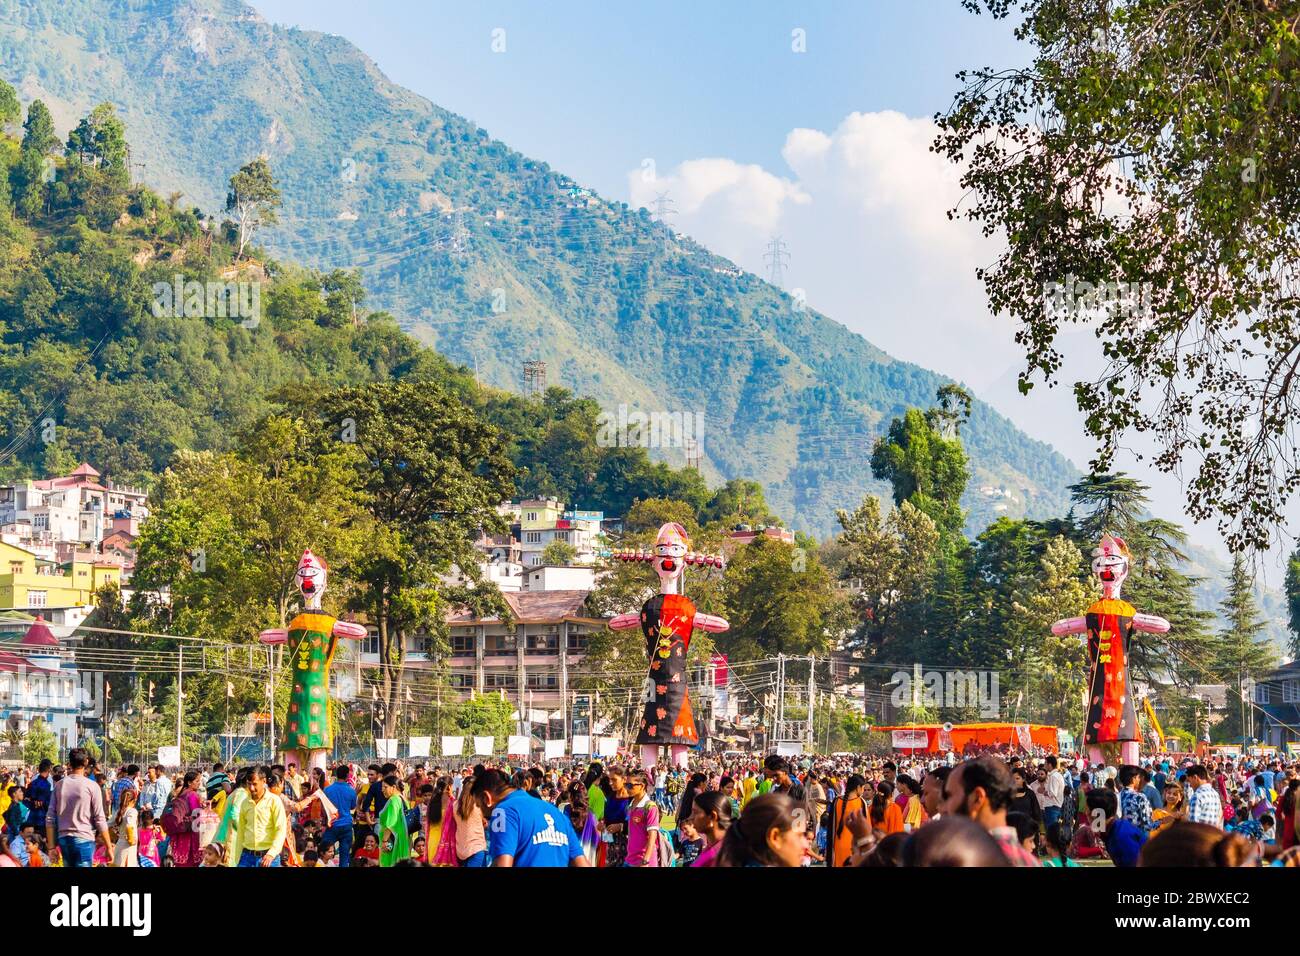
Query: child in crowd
[
  {"x": 35, "y": 848},
  {"x": 689, "y": 843},
  {"x": 214, "y": 855},
  {"x": 147, "y": 843}
]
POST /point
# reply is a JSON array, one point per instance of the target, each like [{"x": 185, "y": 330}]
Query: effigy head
[
  {"x": 1111, "y": 561},
  {"x": 311, "y": 575},
  {"x": 671, "y": 548}
]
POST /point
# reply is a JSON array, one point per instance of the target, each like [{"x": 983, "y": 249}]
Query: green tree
[
  {"x": 39, "y": 743},
  {"x": 926, "y": 466},
  {"x": 11, "y": 111},
  {"x": 1145, "y": 170},
  {"x": 483, "y": 715},
  {"x": 38, "y": 130},
  {"x": 1293, "y": 600},
  {"x": 1054, "y": 668},
  {"x": 653, "y": 513},
  {"x": 1239, "y": 654},
  {"x": 431, "y": 475},
  {"x": 344, "y": 291},
  {"x": 888, "y": 562},
  {"x": 99, "y": 140},
  {"x": 779, "y": 601},
  {"x": 559, "y": 553},
  {"x": 739, "y": 501},
  {"x": 254, "y": 198}
]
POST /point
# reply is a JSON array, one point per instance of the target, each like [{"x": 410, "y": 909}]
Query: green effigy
[{"x": 308, "y": 726}]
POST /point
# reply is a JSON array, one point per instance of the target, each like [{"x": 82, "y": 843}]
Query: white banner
[
  {"x": 453, "y": 746},
  {"x": 386, "y": 748},
  {"x": 607, "y": 746},
  {"x": 484, "y": 745},
  {"x": 1022, "y": 735},
  {"x": 582, "y": 744},
  {"x": 169, "y": 756},
  {"x": 419, "y": 746},
  {"x": 517, "y": 746},
  {"x": 789, "y": 748},
  {"x": 910, "y": 739},
  {"x": 554, "y": 749}
]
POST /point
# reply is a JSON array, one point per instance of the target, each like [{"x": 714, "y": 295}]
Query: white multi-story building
[{"x": 70, "y": 508}]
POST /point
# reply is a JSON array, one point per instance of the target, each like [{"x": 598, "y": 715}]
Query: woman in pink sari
[
  {"x": 184, "y": 847},
  {"x": 445, "y": 854}
]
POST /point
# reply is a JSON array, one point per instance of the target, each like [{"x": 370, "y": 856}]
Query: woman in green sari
[{"x": 394, "y": 842}]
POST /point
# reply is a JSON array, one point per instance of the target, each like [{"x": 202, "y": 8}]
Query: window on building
[
  {"x": 578, "y": 641},
  {"x": 1261, "y": 693},
  {"x": 501, "y": 681},
  {"x": 542, "y": 681},
  {"x": 533, "y": 537},
  {"x": 371, "y": 643},
  {"x": 532, "y": 516},
  {"x": 561, "y": 536},
  {"x": 462, "y": 681},
  {"x": 37, "y": 598},
  {"x": 542, "y": 643},
  {"x": 462, "y": 642},
  {"x": 15, "y": 567},
  {"x": 1291, "y": 691}
]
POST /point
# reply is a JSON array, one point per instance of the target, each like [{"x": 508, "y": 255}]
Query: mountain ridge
[{"x": 447, "y": 224}]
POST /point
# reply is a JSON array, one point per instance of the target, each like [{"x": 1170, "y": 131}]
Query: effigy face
[{"x": 1110, "y": 563}]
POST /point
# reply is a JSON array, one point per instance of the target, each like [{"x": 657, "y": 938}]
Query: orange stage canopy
[{"x": 937, "y": 740}]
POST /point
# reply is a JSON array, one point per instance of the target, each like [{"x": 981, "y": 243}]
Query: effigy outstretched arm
[
  {"x": 622, "y": 622},
  {"x": 1070, "y": 625},
  {"x": 1151, "y": 623},
  {"x": 707, "y": 622},
  {"x": 349, "y": 629},
  {"x": 274, "y": 635}
]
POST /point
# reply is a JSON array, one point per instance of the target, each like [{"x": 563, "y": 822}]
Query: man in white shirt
[{"x": 1050, "y": 789}]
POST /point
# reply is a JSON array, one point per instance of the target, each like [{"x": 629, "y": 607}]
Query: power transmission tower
[
  {"x": 664, "y": 207},
  {"x": 693, "y": 455},
  {"x": 534, "y": 378},
  {"x": 777, "y": 258},
  {"x": 459, "y": 234}
]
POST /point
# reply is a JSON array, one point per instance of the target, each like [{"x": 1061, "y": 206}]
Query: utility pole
[
  {"x": 180, "y": 693},
  {"x": 270, "y": 666},
  {"x": 777, "y": 258},
  {"x": 812, "y": 701}
]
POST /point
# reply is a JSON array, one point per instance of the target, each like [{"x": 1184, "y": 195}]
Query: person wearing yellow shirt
[{"x": 263, "y": 824}]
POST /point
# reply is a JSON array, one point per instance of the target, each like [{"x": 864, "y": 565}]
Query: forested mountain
[{"x": 494, "y": 258}]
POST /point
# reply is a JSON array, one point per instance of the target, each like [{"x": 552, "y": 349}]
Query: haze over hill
[{"x": 496, "y": 259}]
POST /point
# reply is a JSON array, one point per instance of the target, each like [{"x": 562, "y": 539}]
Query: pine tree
[
  {"x": 1293, "y": 600},
  {"x": 1239, "y": 656}
]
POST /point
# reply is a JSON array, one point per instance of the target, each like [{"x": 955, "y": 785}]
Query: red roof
[
  {"x": 38, "y": 635},
  {"x": 534, "y": 607},
  {"x": 82, "y": 477}
]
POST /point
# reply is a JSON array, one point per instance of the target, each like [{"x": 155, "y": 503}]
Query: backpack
[{"x": 177, "y": 818}]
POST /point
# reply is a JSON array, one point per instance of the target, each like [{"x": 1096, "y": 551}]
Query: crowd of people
[{"x": 986, "y": 809}]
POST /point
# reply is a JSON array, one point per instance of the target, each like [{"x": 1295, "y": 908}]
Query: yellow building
[
  {"x": 29, "y": 583},
  {"x": 539, "y": 514}
]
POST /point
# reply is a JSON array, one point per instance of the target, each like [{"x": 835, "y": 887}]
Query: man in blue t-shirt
[
  {"x": 523, "y": 831},
  {"x": 344, "y": 798}
]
